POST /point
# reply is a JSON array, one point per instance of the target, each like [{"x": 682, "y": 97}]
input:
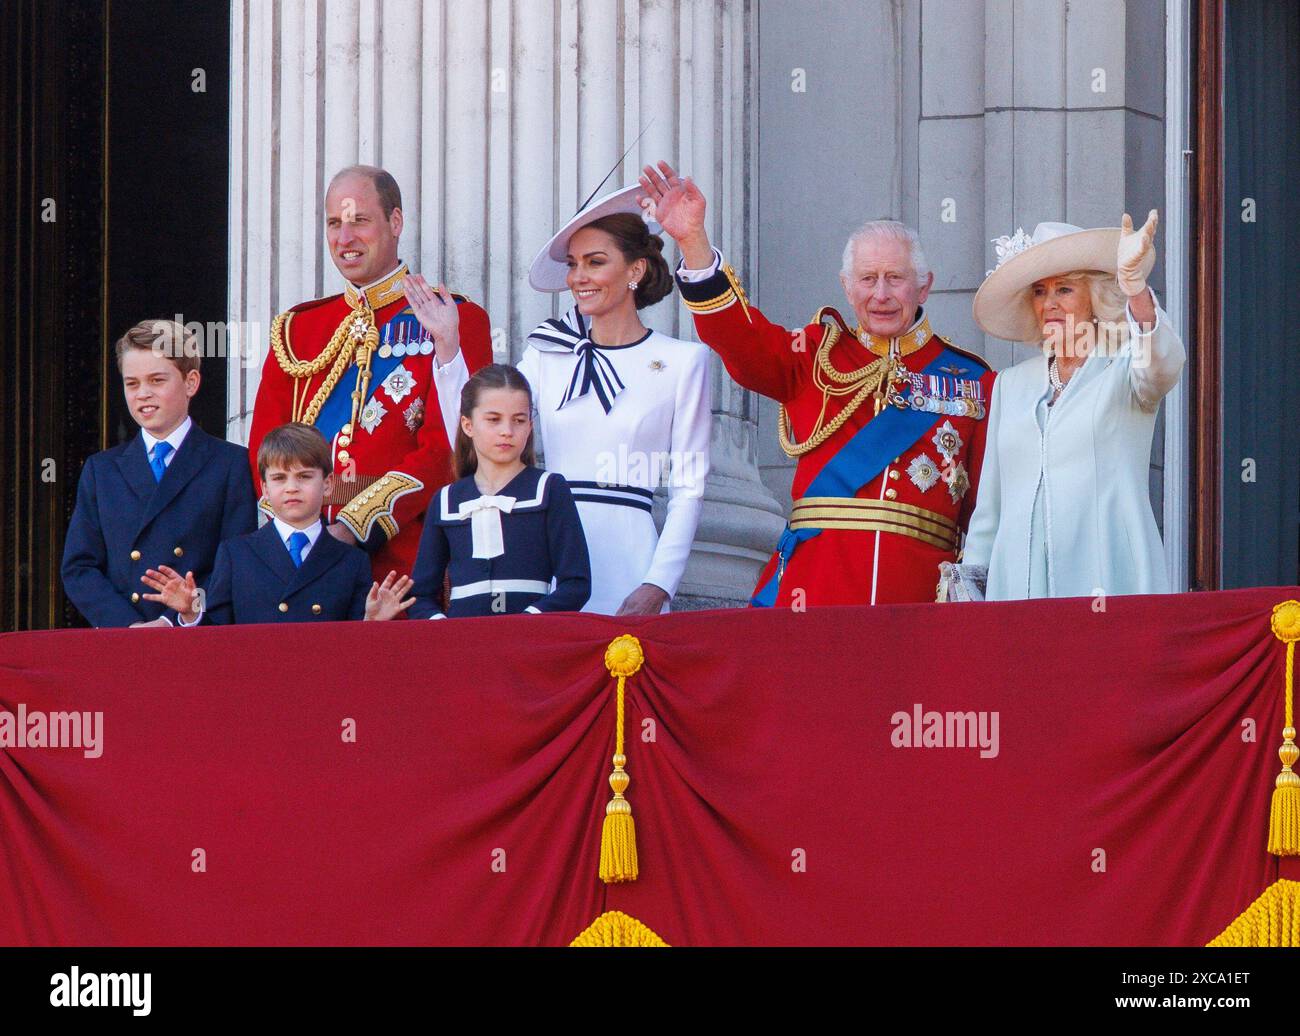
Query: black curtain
[{"x": 1261, "y": 278}]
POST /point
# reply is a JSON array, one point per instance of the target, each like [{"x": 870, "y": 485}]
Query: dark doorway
[{"x": 113, "y": 172}]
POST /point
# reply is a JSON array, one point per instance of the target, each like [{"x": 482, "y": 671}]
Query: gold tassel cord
[
  {"x": 1284, "y": 811},
  {"x": 1274, "y": 918},
  {"x": 618, "y": 860}
]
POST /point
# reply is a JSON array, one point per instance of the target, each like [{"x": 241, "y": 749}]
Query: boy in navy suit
[
  {"x": 292, "y": 569},
  {"x": 171, "y": 492}
]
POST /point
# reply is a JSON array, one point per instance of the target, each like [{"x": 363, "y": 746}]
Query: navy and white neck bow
[{"x": 594, "y": 372}]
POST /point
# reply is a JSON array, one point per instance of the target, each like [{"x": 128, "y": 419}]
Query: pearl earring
[{"x": 631, "y": 285}]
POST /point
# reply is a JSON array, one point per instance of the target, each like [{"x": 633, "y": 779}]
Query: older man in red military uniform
[
  {"x": 886, "y": 418},
  {"x": 378, "y": 370}
]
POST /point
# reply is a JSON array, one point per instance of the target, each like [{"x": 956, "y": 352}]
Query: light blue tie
[
  {"x": 297, "y": 542},
  {"x": 159, "y": 459}
]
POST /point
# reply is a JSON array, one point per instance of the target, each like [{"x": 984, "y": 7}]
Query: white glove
[{"x": 1133, "y": 249}]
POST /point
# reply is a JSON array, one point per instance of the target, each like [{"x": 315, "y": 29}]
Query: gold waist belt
[{"x": 842, "y": 512}]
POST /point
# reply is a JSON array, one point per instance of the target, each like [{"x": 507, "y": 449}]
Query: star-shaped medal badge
[
  {"x": 372, "y": 414},
  {"x": 399, "y": 383}
]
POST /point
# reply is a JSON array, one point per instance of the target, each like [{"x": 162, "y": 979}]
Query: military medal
[
  {"x": 923, "y": 472},
  {"x": 399, "y": 383},
  {"x": 386, "y": 350},
  {"x": 947, "y": 441},
  {"x": 371, "y": 415},
  {"x": 399, "y": 347}
]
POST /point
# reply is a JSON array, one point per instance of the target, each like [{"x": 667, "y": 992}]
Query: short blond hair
[{"x": 163, "y": 338}]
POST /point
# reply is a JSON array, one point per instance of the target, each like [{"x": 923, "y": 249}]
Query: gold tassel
[
  {"x": 1284, "y": 812},
  {"x": 615, "y": 928},
  {"x": 618, "y": 860},
  {"x": 1274, "y": 918}
]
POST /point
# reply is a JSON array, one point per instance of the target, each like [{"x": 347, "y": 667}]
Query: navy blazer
[
  {"x": 124, "y": 522},
  {"x": 255, "y": 580},
  {"x": 545, "y": 566}
]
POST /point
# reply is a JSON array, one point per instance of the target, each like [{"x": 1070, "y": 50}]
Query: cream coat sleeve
[{"x": 1156, "y": 359}]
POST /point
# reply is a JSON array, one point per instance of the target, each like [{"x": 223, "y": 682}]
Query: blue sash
[
  {"x": 856, "y": 463},
  {"x": 402, "y": 328}
]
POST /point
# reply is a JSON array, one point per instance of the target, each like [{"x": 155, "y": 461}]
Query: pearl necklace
[{"x": 1054, "y": 377}]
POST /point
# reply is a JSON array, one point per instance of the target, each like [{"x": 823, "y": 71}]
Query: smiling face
[
  {"x": 1063, "y": 309},
  {"x": 881, "y": 286},
  {"x": 157, "y": 393},
  {"x": 599, "y": 275},
  {"x": 295, "y": 492},
  {"x": 362, "y": 241},
  {"x": 500, "y": 424}
]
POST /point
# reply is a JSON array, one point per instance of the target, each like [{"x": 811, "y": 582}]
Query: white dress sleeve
[
  {"x": 983, "y": 526},
  {"x": 691, "y": 276},
  {"x": 449, "y": 380},
  {"x": 692, "y": 418}
]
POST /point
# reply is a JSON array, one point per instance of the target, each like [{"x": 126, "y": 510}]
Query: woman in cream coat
[{"x": 1064, "y": 508}]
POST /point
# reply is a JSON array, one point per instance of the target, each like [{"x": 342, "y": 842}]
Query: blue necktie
[
  {"x": 159, "y": 459},
  {"x": 296, "y": 543}
]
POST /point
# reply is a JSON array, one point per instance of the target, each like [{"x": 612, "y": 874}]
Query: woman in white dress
[
  {"x": 1064, "y": 508},
  {"x": 621, "y": 409}
]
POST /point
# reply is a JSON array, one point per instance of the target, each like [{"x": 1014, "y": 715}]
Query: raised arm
[
  {"x": 1157, "y": 353},
  {"x": 759, "y": 355}
]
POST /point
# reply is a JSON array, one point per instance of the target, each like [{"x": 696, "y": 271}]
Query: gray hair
[{"x": 890, "y": 230}]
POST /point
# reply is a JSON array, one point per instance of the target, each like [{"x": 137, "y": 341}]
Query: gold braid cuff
[
  {"x": 374, "y": 504},
  {"x": 734, "y": 293}
]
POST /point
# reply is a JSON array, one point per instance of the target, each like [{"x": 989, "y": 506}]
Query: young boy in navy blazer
[
  {"x": 171, "y": 493},
  {"x": 293, "y": 569}
]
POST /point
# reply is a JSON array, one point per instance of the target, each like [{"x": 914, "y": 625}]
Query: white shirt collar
[
  {"x": 175, "y": 439},
  {"x": 285, "y": 530}
]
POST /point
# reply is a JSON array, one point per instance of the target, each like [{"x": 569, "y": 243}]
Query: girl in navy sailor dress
[{"x": 506, "y": 534}]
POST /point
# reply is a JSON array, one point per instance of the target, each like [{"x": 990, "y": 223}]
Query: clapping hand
[
  {"x": 1134, "y": 246},
  {"x": 437, "y": 313},
  {"x": 385, "y": 600},
  {"x": 172, "y": 590}
]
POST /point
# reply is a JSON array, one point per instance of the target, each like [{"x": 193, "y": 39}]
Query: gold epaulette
[
  {"x": 375, "y": 504},
  {"x": 734, "y": 293},
  {"x": 831, "y": 315},
  {"x": 964, "y": 352}
]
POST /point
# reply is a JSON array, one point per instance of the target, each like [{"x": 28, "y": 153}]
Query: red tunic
[
  {"x": 850, "y": 566},
  {"x": 384, "y": 478}
]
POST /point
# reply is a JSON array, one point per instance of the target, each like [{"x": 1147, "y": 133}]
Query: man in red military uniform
[
  {"x": 886, "y": 417},
  {"x": 378, "y": 370}
]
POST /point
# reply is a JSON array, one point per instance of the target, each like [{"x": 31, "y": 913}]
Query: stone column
[{"x": 497, "y": 118}]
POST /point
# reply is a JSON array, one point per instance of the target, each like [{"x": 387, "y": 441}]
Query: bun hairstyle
[
  {"x": 493, "y": 376},
  {"x": 635, "y": 241}
]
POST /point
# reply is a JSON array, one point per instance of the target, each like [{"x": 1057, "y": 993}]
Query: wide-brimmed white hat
[
  {"x": 1003, "y": 307},
  {"x": 551, "y": 268}
]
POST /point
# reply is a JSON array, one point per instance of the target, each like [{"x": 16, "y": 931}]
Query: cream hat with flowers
[{"x": 1003, "y": 307}]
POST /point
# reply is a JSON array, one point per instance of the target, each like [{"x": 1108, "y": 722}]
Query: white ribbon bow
[{"x": 484, "y": 513}]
